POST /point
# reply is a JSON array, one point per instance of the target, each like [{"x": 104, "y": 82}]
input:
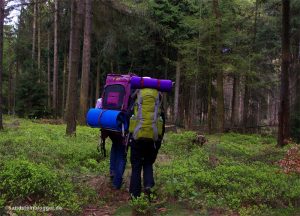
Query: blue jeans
[{"x": 117, "y": 160}]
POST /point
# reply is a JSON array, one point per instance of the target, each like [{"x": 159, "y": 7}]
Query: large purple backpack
[
  {"x": 116, "y": 96},
  {"x": 116, "y": 92}
]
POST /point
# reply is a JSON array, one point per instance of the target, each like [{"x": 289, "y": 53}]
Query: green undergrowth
[
  {"x": 230, "y": 174},
  {"x": 41, "y": 166}
]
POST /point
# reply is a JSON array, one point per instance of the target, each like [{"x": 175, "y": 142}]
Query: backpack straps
[{"x": 101, "y": 144}]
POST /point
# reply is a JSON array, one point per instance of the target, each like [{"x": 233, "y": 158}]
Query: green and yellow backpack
[{"x": 146, "y": 122}]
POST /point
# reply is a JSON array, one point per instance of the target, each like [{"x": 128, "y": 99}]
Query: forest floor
[{"x": 231, "y": 174}]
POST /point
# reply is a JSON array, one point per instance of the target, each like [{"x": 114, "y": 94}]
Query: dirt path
[{"x": 113, "y": 198}]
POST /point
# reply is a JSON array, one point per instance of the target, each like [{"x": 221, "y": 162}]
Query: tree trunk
[
  {"x": 16, "y": 81},
  {"x": 246, "y": 104},
  {"x": 284, "y": 112},
  {"x": 98, "y": 82},
  {"x": 39, "y": 40},
  {"x": 235, "y": 101},
  {"x": 165, "y": 100},
  {"x": 65, "y": 73},
  {"x": 74, "y": 58},
  {"x": 247, "y": 91},
  {"x": 10, "y": 89},
  {"x": 86, "y": 60},
  {"x": 209, "y": 92},
  {"x": 1, "y": 57},
  {"x": 34, "y": 29},
  {"x": 209, "y": 105},
  {"x": 49, "y": 72},
  {"x": 176, "y": 99},
  {"x": 90, "y": 100},
  {"x": 220, "y": 91},
  {"x": 55, "y": 61}
]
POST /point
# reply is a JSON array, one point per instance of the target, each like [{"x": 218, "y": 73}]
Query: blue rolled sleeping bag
[{"x": 107, "y": 119}]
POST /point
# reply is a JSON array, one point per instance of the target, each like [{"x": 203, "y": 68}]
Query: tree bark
[
  {"x": 86, "y": 60},
  {"x": 98, "y": 81},
  {"x": 165, "y": 100},
  {"x": 34, "y": 30},
  {"x": 65, "y": 73},
  {"x": 177, "y": 89},
  {"x": 49, "y": 71},
  {"x": 284, "y": 109},
  {"x": 247, "y": 91},
  {"x": 39, "y": 40},
  {"x": 55, "y": 61},
  {"x": 209, "y": 105},
  {"x": 235, "y": 101},
  {"x": 220, "y": 91},
  {"x": 10, "y": 89},
  {"x": 1, "y": 57},
  {"x": 74, "y": 57}
]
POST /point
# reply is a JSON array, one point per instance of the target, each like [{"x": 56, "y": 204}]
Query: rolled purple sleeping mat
[{"x": 147, "y": 82}]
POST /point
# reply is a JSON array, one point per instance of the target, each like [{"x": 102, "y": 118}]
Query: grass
[{"x": 231, "y": 174}]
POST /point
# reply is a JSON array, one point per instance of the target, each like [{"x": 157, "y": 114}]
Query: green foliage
[
  {"x": 44, "y": 143},
  {"x": 31, "y": 95},
  {"x": 141, "y": 205},
  {"x": 21, "y": 179},
  {"x": 39, "y": 161},
  {"x": 241, "y": 178}
]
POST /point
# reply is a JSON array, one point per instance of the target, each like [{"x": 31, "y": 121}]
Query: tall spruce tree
[
  {"x": 74, "y": 58},
  {"x": 1, "y": 57}
]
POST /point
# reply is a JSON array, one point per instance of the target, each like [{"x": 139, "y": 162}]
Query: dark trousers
[
  {"x": 143, "y": 155},
  {"x": 117, "y": 160}
]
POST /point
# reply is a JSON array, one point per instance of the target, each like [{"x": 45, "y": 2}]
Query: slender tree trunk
[
  {"x": 176, "y": 99},
  {"x": 10, "y": 89},
  {"x": 111, "y": 67},
  {"x": 34, "y": 29},
  {"x": 74, "y": 58},
  {"x": 16, "y": 81},
  {"x": 64, "y": 83},
  {"x": 49, "y": 72},
  {"x": 284, "y": 109},
  {"x": 39, "y": 40},
  {"x": 92, "y": 95},
  {"x": 209, "y": 105},
  {"x": 235, "y": 101},
  {"x": 1, "y": 57},
  {"x": 165, "y": 101},
  {"x": 55, "y": 61},
  {"x": 246, "y": 104},
  {"x": 98, "y": 81},
  {"x": 86, "y": 61},
  {"x": 209, "y": 92},
  {"x": 220, "y": 91}
]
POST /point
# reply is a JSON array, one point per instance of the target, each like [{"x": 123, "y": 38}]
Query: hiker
[
  {"x": 117, "y": 160},
  {"x": 124, "y": 96},
  {"x": 117, "y": 154},
  {"x": 144, "y": 149}
]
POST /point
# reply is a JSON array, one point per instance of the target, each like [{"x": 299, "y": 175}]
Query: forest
[{"x": 235, "y": 68}]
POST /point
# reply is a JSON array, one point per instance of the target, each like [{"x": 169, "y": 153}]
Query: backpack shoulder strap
[{"x": 101, "y": 145}]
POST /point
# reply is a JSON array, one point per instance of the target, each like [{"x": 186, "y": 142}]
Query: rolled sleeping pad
[
  {"x": 107, "y": 119},
  {"x": 147, "y": 82}
]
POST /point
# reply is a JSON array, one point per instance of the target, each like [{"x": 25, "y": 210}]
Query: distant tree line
[{"x": 228, "y": 59}]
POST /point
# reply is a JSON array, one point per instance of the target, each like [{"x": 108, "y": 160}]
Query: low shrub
[{"x": 22, "y": 182}]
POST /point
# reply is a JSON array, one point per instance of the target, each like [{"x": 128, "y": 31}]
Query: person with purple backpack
[
  {"x": 115, "y": 97},
  {"x": 120, "y": 116}
]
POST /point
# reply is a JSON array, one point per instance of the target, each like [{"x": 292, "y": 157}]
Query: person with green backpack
[{"x": 147, "y": 127}]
